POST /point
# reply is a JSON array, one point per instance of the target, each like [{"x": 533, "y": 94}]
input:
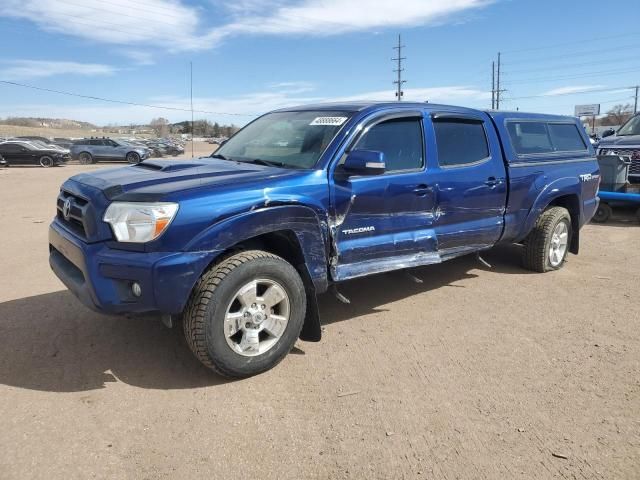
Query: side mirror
[
  {"x": 608, "y": 132},
  {"x": 364, "y": 162}
]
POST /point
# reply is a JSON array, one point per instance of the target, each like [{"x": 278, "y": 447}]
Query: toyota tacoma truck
[{"x": 235, "y": 247}]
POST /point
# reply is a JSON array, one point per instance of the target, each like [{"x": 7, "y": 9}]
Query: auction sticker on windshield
[{"x": 328, "y": 121}]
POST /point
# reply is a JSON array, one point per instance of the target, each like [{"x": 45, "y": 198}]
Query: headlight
[{"x": 139, "y": 222}]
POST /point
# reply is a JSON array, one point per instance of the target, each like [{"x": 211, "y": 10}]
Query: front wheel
[
  {"x": 133, "y": 157},
  {"x": 547, "y": 245},
  {"x": 245, "y": 314},
  {"x": 46, "y": 161}
]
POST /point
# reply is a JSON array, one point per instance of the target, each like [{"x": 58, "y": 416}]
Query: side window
[
  {"x": 400, "y": 140},
  {"x": 460, "y": 141},
  {"x": 565, "y": 137},
  {"x": 529, "y": 137},
  {"x": 95, "y": 142},
  {"x": 542, "y": 137}
]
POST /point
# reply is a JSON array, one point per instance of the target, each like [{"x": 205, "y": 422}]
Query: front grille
[
  {"x": 77, "y": 218},
  {"x": 632, "y": 153}
]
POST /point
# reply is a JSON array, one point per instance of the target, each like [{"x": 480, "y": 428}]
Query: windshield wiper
[{"x": 267, "y": 163}]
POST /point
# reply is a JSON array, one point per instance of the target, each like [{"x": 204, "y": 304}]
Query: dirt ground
[{"x": 475, "y": 373}]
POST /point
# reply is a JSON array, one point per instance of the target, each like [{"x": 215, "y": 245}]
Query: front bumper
[{"x": 101, "y": 277}]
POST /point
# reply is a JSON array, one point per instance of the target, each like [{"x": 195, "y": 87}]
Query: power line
[
  {"x": 573, "y": 42},
  {"x": 578, "y": 92},
  {"x": 123, "y": 102},
  {"x": 119, "y": 13},
  {"x": 602, "y": 73},
  {"x": 578, "y": 53},
  {"x": 573, "y": 65}
]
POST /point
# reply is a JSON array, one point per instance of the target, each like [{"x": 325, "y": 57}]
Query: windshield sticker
[{"x": 329, "y": 121}]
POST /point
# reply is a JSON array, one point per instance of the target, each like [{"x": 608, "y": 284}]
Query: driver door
[{"x": 384, "y": 222}]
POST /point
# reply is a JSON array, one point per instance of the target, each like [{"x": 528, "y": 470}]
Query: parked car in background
[
  {"x": 63, "y": 142},
  {"x": 26, "y": 153},
  {"x": 92, "y": 150},
  {"x": 238, "y": 245},
  {"x": 624, "y": 142}
]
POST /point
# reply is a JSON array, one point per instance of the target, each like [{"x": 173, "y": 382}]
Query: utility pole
[
  {"x": 399, "y": 69},
  {"x": 191, "y": 83},
  {"x": 493, "y": 85},
  {"x": 498, "y": 91},
  {"x": 635, "y": 103}
]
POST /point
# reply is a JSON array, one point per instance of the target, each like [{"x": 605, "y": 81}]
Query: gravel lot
[{"x": 476, "y": 373}]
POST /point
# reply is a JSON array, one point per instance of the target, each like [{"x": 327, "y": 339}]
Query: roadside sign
[{"x": 587, "y": 110}]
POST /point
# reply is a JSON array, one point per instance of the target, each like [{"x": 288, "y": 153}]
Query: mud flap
[{"x": 311, "y": 329}]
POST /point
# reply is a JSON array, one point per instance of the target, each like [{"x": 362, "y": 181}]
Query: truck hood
[
  {"x": 153, "y": 180},
  {"x": 623, "y": 140}
]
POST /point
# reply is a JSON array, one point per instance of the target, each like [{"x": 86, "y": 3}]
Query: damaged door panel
[{"x": 385, "y": 222}]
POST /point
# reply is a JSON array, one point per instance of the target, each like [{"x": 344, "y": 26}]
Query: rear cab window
[{"x": 540, "y": 137}]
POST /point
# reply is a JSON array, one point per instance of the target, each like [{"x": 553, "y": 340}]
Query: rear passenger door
[
  {"x": 467, "y": 174},
  {"x": 98, "y": 149}
]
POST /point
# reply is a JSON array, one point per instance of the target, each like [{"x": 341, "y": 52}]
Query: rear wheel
[
  {"x": 603, "y": 213},
  {"x": 547, "y": 245},
  {"x": 46, "y": 161},
  {"x": 133, "y": 157},
  {"x": 85, "y": 158},
  {"x": 245, "y": 314}
]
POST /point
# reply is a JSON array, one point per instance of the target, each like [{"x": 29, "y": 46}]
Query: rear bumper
[{"x": 101, "y": 277}]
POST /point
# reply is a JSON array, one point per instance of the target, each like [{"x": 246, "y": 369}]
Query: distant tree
[
  {"x": 618, "y": 115},
  {"x": 216, "y": 129},
  {"x": 160, "y": 126}
]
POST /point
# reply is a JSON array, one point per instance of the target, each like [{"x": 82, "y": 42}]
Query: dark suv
[{"x": 91, "y": 150}]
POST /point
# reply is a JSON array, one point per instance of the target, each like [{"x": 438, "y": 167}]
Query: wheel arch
[
  {"x": 293, "y": 232},
  {"x": 558, "y": 194}
]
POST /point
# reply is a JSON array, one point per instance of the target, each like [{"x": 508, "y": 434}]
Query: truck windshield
[
  {"x": 632, "y": 127},
  {"x": 285, "y": 139}
]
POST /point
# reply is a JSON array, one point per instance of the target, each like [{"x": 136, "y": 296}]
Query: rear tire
[
  {"x": 220, "y": 323},
  {"x": 85, "y": 158},
  {"x": 46, "y": 161},
  {"x": 603, "y": 213},
  {"x": 547, "y": 245}
]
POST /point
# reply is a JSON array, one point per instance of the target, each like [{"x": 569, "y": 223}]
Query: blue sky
[{"x": 251, "y": 56}]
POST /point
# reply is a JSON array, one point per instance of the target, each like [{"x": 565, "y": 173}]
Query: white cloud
[
  {"x": 175, "y": 26},
  {"x": 331, "y": 17},
  {"x": 26, "y": 69},
  {"x": 572, "y": 89},
  {"x": 140, "y": 57},
  {"x": 161, "y": 23}
]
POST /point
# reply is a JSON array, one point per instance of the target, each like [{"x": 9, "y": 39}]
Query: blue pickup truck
[{"x": 236, "y": 246}]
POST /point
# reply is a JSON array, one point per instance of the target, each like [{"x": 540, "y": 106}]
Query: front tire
[
  {"x": 547, "y": 245},
  {"x": 46, "y": 161},
  {"x": 133, "y": 158},
  {"x": 245, "y": 314}
]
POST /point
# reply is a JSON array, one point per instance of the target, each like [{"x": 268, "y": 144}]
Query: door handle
[
  {"x": 422, "y": 189},
  {"x": 492, "y": 182}
]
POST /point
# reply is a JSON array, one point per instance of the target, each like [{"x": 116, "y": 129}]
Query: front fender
[
  {"x": 309, "y": 229},
  {"x": 556, "y": 189}
]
